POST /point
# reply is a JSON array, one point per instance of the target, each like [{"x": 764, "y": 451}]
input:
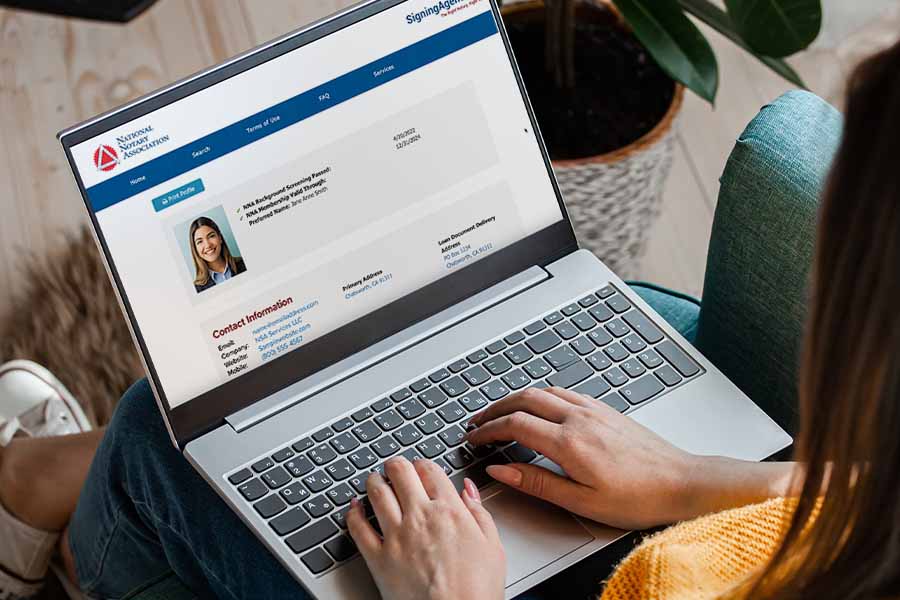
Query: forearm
[{"x": 716, "y": 483}]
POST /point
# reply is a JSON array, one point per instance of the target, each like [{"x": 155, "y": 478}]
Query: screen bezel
[{"x": 209, "y": 410}]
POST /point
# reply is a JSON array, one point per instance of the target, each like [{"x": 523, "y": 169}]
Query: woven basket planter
[{"x": 614, "y": 199}]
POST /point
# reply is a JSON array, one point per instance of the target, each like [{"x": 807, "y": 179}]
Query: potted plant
[{"x": 607, "y": 77}]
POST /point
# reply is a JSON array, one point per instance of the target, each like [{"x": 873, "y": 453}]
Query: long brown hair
[
  {"x": 202, "y": 268},
  {"x": 849, "y": 440}
]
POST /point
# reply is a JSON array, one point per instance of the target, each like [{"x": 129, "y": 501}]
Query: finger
[
  {"x": 384, "y": 502},
  {"x": 367, "y": 539},
  {"x": 572, "y": 397},
  {"x": 407, "y": 485},
  {"x": 521, "y": 427},
  {"x": 434, "y": 480},
  {"x": 541, "y": 483},
  {"x": 537, "y": 402},
  {"x": 472, "y": 499}
]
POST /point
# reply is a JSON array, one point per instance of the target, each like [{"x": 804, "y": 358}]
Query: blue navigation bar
[{"x": 303, "y": 106}]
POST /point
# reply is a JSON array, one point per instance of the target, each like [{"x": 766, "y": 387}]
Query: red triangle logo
[{"x": 106, "y": 158}]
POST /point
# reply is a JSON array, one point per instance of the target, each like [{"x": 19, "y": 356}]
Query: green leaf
[
  {"x": 719, "y": 20},
  {"x": 674, "y": 42},
  {"x": 776, "y": 28}
]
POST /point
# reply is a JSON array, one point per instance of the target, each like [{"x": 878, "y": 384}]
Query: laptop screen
[{"x": 256, "y": 215}]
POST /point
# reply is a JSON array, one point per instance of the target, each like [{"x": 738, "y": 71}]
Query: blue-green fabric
[{"x": 760, "y": 252}]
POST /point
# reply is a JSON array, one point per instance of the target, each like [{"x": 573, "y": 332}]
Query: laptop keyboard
[{"x": 598, "y": 345}]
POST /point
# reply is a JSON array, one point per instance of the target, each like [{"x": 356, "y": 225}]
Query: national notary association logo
[{"x": 106, "y": 158}]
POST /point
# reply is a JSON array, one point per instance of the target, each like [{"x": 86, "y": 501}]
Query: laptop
[{"x": 335, "y": 248}]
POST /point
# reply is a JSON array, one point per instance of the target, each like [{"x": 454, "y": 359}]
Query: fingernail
[
  {"x": 354, "y": 503},
  {"x": 504, "y": 474},
  {"x": 472, "y": 489}
]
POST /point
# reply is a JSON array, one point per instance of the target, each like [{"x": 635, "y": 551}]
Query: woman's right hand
[{"x": 619, "y": 472}]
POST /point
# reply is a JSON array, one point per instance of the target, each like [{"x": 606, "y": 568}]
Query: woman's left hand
[{"x": 437, "y": 544}]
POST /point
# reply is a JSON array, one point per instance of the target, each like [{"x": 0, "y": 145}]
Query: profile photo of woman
[{"x": 213, "y": 261}]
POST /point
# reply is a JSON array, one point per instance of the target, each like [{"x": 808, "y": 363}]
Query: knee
[{"x": 137, "y": 420}]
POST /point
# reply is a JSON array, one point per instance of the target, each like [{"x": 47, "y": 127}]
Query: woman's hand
[
  {"x": 437, "y": 544},
  {"x": 619, "y": 472}
]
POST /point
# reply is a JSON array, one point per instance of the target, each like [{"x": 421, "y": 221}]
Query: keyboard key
[
  {"x": 407, "y": 435},
  {"x": 561, "y": 357},
  {"x": 299, "y": 466},
  {"x": 311, "y": 536},
  {"x": 290, "y": 521},
  {"x": 453, "y": 436},
  {"x": 566, "y": 330},
  {"x": 473, "y": 401},
  {"x": 401, "y": 395},
  {"x": 616, "y": 352},
  {"x": 362, "y": 414},
  {"x": 553, "y": 318},
  {"x": 341, "y": 548},
  {"x": 650, "y": 359},
  {"x": 340, "y": 517},
  {"x": 433, "y": 397},
  {"x": 240, "y": 477},
  {"x": 518, "y": 354},
  {"x": 641, "y": 390},
  {"x": 366, "y": 432},
  {"x": 601, "y": 313},
  {"x": 458, "y": 366},
  {"x": 439, "y": 375},
  {"x": 645, "y": 328},
  {"x": 678, "y": 358},
  {"x": 344, "y": 443},
  {"x": 497, "y": 365},
  {"x": 588, "y": 301},
  {"x": 263, "y": 464},
  {"x": 359, "y": 482},
  {"x": 389, "y": 419},
  {"x": 615, "y": 401},
  {"x": 571, "y": 375},
  {"x": 317, "y": 481},
  {"x": 668, "y": 375},
  {"x": 514, "y": 338},
  {"x": 459, "y": 458},
  {"x": 451, "y": 412},
  {"x": 617, "y": 328},
  {"x": 429, "y": 423},
  {"x": 615, "y": 377},
  {"x": 495, "y": 347},
  {"x": 418, "y": 386},
  {"x": 599, "y": 361},
  {"x": 582, "y": 345},
  {"x": 322, "y": 434},
  {"x": 516, "y": 379},
  {"x": 594, "y": 387},
  {"x": 380, "y": 405},
  {"x": 600, "y": 337},
  {"x": 275, "y": 478},
  {"x": 494, "y": 390},
  {"x": 410, "y": 409},
  {"x": 518, "y": 453},
  {"x": 535, "y": 327},
  {"x": 342, "y": 424},
  {"x": 341, "y": 495},
  {"x": 618, "y": 303},
  {"x": 363, "y": 458},
  {"x": 411, "y": 454},
  {"x": 340, "y": 469},
  {"x": 431, "y": 447},
  {"x": 454, "y": 386},
  {"x": 476, "y": 375},
  {"x": 270, "y": 506},
  {"x": 294, "y": 493},
  {"x": 321, "y": 454},
  {"x": 584, "y": 321},
  {"x": 283, "y": 454},
  {"x": 606, "y": 291},
  {"x": 634, "y": 343},
  {"x": 633, "y": 367},
  {"x": 253, "y": 490},
  {"x": 443, "y": 465},
  {"x": 537, "y": 368},
  {"x": 543, "y": 342},
  {"x": 477, "y": 356},
  {"x": 317, "y": 561},
  {"x": 570, "y": 309},
  {"x": 385, "y": 446}
]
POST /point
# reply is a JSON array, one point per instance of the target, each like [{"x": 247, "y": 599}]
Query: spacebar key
[
  {"x": 574, "y": 373},
  {"x": 311, "y": 536}
]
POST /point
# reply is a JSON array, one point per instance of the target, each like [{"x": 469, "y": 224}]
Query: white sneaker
[{"x": 33, "y": 403}]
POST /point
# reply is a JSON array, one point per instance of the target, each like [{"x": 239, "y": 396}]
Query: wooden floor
[{"x": 55, "y": 72}]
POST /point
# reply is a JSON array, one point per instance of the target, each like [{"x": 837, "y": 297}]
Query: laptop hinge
[{"x": 386, "y": 348}]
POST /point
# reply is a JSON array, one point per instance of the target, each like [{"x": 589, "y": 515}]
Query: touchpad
[{"x": 534, "y": 533}]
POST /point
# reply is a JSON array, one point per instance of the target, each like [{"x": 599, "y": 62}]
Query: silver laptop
[{"x": 335, "y": 248}]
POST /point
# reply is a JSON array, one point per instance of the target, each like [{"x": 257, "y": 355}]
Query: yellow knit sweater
[{"x": 702, "y": 559}]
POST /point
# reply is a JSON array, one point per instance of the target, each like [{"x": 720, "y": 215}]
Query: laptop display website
[{"x": 260, "y": 213}]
